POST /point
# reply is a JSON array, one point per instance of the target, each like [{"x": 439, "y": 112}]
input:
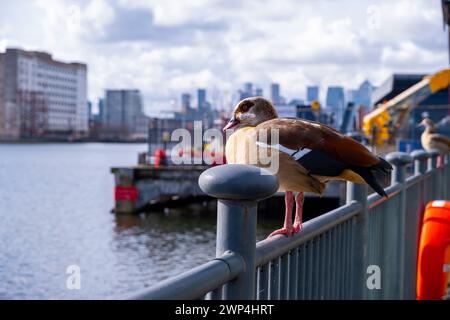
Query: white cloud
[
  {"x": 406, "y": 54},
  {"x": 166, "y": 47}
]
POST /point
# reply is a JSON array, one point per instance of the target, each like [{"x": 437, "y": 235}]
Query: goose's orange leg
[
  {"x": 299, "y": 198},
  {"x": 287, "y": 229},
  {"x": 440, "y": 161}
]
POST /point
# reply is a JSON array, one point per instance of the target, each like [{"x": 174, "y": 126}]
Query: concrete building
[
  {"x": 362, "y": 95},
  {"x": 248, "y": 87},
  {"x": 275, "y": 93},
  {"x": 185, "y": 103},
  {"x": 201, "y": 99},
  {"x": 259, "y": 92},
  {"x": 312, "y": 93},
  {"x": 246, "y": 92},
  {"x": 101, "y": 110},
  {"x": 336, "y": 104},
  {"x": 41, "y": 97},
  {"x": 394, "y": 85},
  {"x": 123, "y": 116}
]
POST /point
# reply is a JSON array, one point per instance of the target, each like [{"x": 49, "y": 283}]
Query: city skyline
[{"x": 168, "y": 48}]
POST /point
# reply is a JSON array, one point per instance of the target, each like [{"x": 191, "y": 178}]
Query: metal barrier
[{"x": 338, "y": 255}]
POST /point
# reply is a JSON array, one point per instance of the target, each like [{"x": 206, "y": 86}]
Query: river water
[{"x": 55, "y": 212}]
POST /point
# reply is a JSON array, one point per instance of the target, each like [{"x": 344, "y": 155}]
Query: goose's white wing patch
[{"x": 296, "y": 154}]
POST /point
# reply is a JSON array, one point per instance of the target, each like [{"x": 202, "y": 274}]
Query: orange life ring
[{"x": 433, "y": 267}]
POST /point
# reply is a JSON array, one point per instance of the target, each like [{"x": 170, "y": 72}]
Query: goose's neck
[{"x": 429, "y": 129}]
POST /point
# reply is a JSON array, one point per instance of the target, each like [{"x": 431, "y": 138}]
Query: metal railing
[{"x": 332, "y": 257}]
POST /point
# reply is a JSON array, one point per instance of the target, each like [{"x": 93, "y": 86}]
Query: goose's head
[
  {"x": 428, "y": 124},
  {"x": 250, "y": 112}
]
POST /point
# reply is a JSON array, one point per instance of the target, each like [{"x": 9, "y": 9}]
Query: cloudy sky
[{"x": 165, "y": 47}]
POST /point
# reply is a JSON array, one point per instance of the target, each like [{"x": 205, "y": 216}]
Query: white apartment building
[{"x": 41, "y": 97}]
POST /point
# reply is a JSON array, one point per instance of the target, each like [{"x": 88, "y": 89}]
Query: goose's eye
[{"x": 246, "y": 106}]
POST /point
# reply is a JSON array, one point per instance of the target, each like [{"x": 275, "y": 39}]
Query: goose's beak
[{"x": 232, "y": 123}]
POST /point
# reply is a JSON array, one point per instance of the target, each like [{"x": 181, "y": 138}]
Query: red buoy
[
  {"x": 433, "y": 268},
  {"x": 160, "y": 158}
]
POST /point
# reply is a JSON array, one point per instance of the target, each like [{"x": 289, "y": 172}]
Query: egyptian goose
[
  {"x": 308, "y": 153},
  {"x": 432, "y": 140}
]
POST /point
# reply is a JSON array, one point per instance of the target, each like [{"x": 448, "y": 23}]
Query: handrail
[
  {"x": 184, "y": 286},
  {"x": 334, "y": 249},
  {"x": 375, "y": 199}
]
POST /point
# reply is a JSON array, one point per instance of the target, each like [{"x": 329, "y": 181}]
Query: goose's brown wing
[
  {"x": 297, "y": 133},
  {"x": 441, "y": 139}
]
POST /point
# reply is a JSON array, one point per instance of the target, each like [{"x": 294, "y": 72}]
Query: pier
[
  {"x": 146, "y": 187},
  {"x": 334, "y": 254},
  {"x": 137, "y": 188}
]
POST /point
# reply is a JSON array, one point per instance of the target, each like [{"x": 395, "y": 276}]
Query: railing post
[
  {"x": 420, "y": 168},
  {"x": 399, "y": 160},
  {"x": 435, "y": 178},
  {"x": 238, "y": 188},
  {"x": 420, "y": 161},
  {"x": 358, "y": 192},
  {"x": 432, "y": 162}
]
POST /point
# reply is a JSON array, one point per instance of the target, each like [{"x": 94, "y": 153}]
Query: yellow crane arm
[{"x": 396, "y": 108}]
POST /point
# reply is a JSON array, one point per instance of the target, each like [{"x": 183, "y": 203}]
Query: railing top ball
[
  {"x": 399, "y": 158},
  {"x": 238, "y": 182},
  {"x": 420, "y": 155}
]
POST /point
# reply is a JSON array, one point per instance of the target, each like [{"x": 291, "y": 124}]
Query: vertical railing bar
[
  {"x": 336, "y": 264},
  {"x": 346, "y": 262},
  {"x": 279, "y": 284},
  {"x": 293, "y": 274},
  {"x": 311, "y": 269},
  {"x": 283, "y": 286},
  {"x": 322, "y": 266},
  {"x": 274, "y": 279},
  {"x": 351, "y": 248},
  {"x": 381, "y": 237},
  {"x": 329, "y": 264},
  {"x": 216, "y": 294},
  {"x": 318, "y": 269},
  {"x": 271, "y": 283},
  {"x": 347, "y": 259},
  {"x": 342, "y": 262},
  {"x": 263, "y": 281},
  {"x": 339, "y": 261},
  {"x": 305, "y": 264},
  {"x": 302, "y": 272}
]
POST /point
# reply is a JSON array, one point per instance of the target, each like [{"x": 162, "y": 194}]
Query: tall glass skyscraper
[
  {"x": 336, "y": 103},
  {"x": 275, "y": 93},
  {"x": 312, "y": 93},
  {"x": 201, "y": 98}
]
